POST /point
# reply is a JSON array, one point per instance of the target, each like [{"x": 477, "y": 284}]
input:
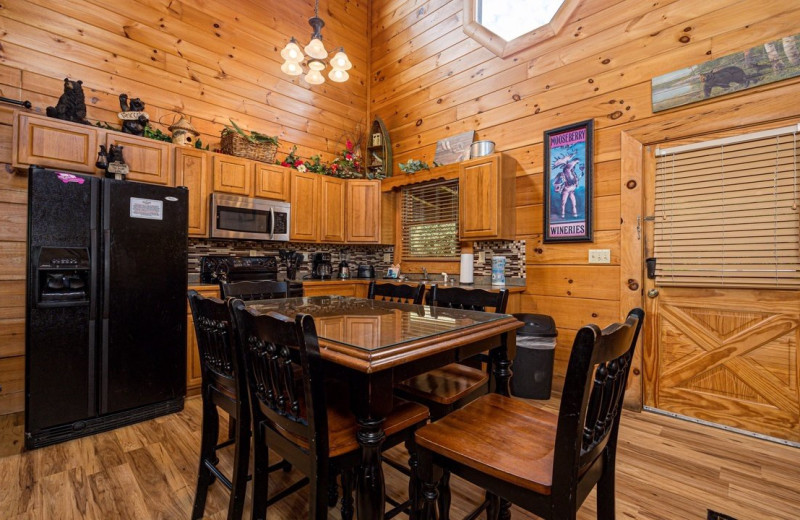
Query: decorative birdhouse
[{"x": 183, "y": 133}]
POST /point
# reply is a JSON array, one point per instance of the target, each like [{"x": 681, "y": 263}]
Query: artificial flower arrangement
[{"x": 346, "y": 166}]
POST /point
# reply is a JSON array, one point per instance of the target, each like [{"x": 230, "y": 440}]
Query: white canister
[{"x": 498, "y": 270}]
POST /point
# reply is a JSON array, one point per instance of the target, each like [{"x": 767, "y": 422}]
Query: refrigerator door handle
[
  {"x": 106, "y": 272},
  {"x": 272, "y": 223}
]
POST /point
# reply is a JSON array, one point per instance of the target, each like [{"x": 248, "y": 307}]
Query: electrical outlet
[
  {"x": 253, "y": 252},
  {"x": 387, "y": 257},
  {"x": 481, "y": 257},
  {"x": 599, "y": 256}
]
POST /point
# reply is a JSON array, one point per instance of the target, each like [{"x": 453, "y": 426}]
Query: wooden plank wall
[
  {"x": 212, "y": 60},
  {"x": 429, "y": 80}
]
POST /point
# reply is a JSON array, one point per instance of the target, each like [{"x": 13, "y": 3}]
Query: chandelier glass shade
[{"x": 315, "y": 57}]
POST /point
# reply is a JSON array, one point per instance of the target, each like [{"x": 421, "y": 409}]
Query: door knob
[{"x": 652, "y": 293}]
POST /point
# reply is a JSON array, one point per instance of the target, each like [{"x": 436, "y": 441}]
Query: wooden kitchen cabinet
[
  {"x": 194, "y": 371},
  {"x": 53, "y": 143},
  {"x": 148, "y": 160},
  {"x": 332, "y": 208},
  {"x": 486, "y": 188},
  {"x": 304, "y": 198},
  {"x": 271, "y": 181},
  {"x": 363, "y": 211},
  {"x": 12, "y": 384},
  {"x": 191, "y": 170},
  {"x": 232, "y": 175}
]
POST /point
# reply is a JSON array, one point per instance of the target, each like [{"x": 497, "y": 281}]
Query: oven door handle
[{"x": 272, "y": 223}]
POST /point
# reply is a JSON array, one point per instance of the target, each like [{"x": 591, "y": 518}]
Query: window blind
[
  {"x": 430, "y": 220},
  {"x": 726, "y": 212}
]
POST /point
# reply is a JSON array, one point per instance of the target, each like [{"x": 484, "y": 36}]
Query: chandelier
[{"x": 317, "y": 55}]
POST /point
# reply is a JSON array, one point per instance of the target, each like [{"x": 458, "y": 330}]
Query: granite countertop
[{"x": 481, "y": 282}]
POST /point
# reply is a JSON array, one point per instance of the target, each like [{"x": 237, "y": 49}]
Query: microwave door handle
[{"x": 272, "y": 223}]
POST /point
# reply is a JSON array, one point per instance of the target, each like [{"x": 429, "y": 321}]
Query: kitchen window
[{"x": 430, "y": 220}]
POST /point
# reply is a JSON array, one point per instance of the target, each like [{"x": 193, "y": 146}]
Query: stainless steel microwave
[{"x": 249, "y": 219}]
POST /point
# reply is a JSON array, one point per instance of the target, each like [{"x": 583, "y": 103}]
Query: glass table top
[{"x": 372, "y": 324}]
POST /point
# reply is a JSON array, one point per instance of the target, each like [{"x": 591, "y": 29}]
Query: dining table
[{"x": 376, "y": 344}]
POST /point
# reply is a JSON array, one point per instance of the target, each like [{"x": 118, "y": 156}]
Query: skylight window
[{"x": 510, "y": 19}]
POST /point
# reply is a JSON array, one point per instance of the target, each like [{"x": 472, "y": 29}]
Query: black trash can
[{"x": 533, "y": 366}]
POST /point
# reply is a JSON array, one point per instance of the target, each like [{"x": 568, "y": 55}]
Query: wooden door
[
  {"x": 272, "y": 181},
  {"x": 723, "y": 355},
  {"x": 232, "y": 175},
  {"x": 148, "y": 160},
  {"x": 191, "y": 170},
  {"x": 52, "y": 143},
  {"x": 332, "y": 204},
  {"x": 479, "y": 198},
  {"x": 364, "y": 211},
  {"x": 305, "y": 206}
]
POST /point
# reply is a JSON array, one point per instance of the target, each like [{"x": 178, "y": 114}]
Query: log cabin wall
[
  {"x": 429, "y": 80},
  {"x": 211, "y": 60}
]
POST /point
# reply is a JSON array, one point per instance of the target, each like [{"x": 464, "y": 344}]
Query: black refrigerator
[{"x": 105, "y": 320}]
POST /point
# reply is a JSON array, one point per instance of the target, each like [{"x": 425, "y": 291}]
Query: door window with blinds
[
  {"x": 726, "y": 212},
  {"x": 430, "y": 220}
]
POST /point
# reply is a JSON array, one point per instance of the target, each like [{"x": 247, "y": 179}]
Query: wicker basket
[{"x": 234, "y": 144}]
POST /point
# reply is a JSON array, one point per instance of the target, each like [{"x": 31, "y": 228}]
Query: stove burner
[{"x": 214, "y": 269}]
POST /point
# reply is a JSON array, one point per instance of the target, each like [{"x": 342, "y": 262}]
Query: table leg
[
  {"x": 501, "y": 366},
  {"x": 370, "y": 491}
]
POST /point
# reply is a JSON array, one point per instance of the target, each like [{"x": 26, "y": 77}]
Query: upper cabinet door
[
  {"x": 305, "y": 206},
  {"x": 54, "y": 144},
  {"x": 232, "y": 175},
  {"x": 486, "y": 188},
  {"x": 332, "y": 204},
  {"x": 191, "y": 170},
  {"x": 272, "y": 181},
  {"x": 148, "y": 160},
  {"x": 364, "y": 211},
  {"x": 477, "y": 185}
]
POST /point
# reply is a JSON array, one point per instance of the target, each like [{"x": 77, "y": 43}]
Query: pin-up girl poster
[{"x": 568, "y": 183}]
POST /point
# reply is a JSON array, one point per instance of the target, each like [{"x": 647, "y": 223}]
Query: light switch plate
[
  {"x": 387, "y": 257},
  {"x": 481, "y": 257},
  {"x": 253, "y": 252},
  {"x": 599, "y": 256}
]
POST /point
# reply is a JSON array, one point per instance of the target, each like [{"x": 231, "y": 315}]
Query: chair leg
[
  {"x": 208, "y": 440},
  {"x": 605, "y": 494},
  {"x": 241, "y": 463},
  {"x": 444, "y": 496},
  {"x": 429, "y": 476},
  {"x": 348, "y": 484},
  {"x": 493, "y": 509},
  {"x": 260, "y": 476},
  {"x": 413, "y": 478},
  {"x": 333, "y": 489},
  {"x": 318, "y": 497},
  {"x": 505, "y": 510}
]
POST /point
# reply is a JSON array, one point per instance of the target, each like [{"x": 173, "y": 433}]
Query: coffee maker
[{"x": 321, "y": 267}]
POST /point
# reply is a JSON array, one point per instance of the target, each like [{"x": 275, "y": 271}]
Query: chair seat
[
  {"x": 342, "y": 423},
  {"x": 493, "y": 434},
  {"x": 445, "y": 385}
]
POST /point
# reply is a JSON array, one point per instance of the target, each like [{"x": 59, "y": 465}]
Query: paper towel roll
[{"x": 466, "y": 268}]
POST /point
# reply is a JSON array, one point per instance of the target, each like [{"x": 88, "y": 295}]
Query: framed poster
[{"x": 568, "y": 156}]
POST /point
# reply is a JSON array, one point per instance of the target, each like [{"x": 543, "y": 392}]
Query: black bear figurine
[
  {"x": 71, "y": 105},
  {"x": 133, "y": 126}
]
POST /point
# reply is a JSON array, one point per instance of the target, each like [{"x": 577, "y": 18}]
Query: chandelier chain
[{"x": 316, "y": 9}]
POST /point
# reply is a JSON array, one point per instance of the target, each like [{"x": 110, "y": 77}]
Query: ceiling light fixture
[{"x": 315, "y": 50}]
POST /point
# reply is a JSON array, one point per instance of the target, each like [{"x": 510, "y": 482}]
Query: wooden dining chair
[
  {"x": 303, "y": 416},
  {"x": 223, "y": 386},
  {"x": 255, "y": 290},
  {"x": 396, "y": 292},
  {"x": 448, "y": 388},
  {"x": 544, "y": 462}
]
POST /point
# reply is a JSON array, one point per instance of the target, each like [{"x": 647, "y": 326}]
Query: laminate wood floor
[{"x": 667, "y": 470}]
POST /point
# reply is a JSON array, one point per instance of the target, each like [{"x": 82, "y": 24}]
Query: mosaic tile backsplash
[
  {"x": 514, "y": 251},
  {"x": 361, "y": 254}
]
